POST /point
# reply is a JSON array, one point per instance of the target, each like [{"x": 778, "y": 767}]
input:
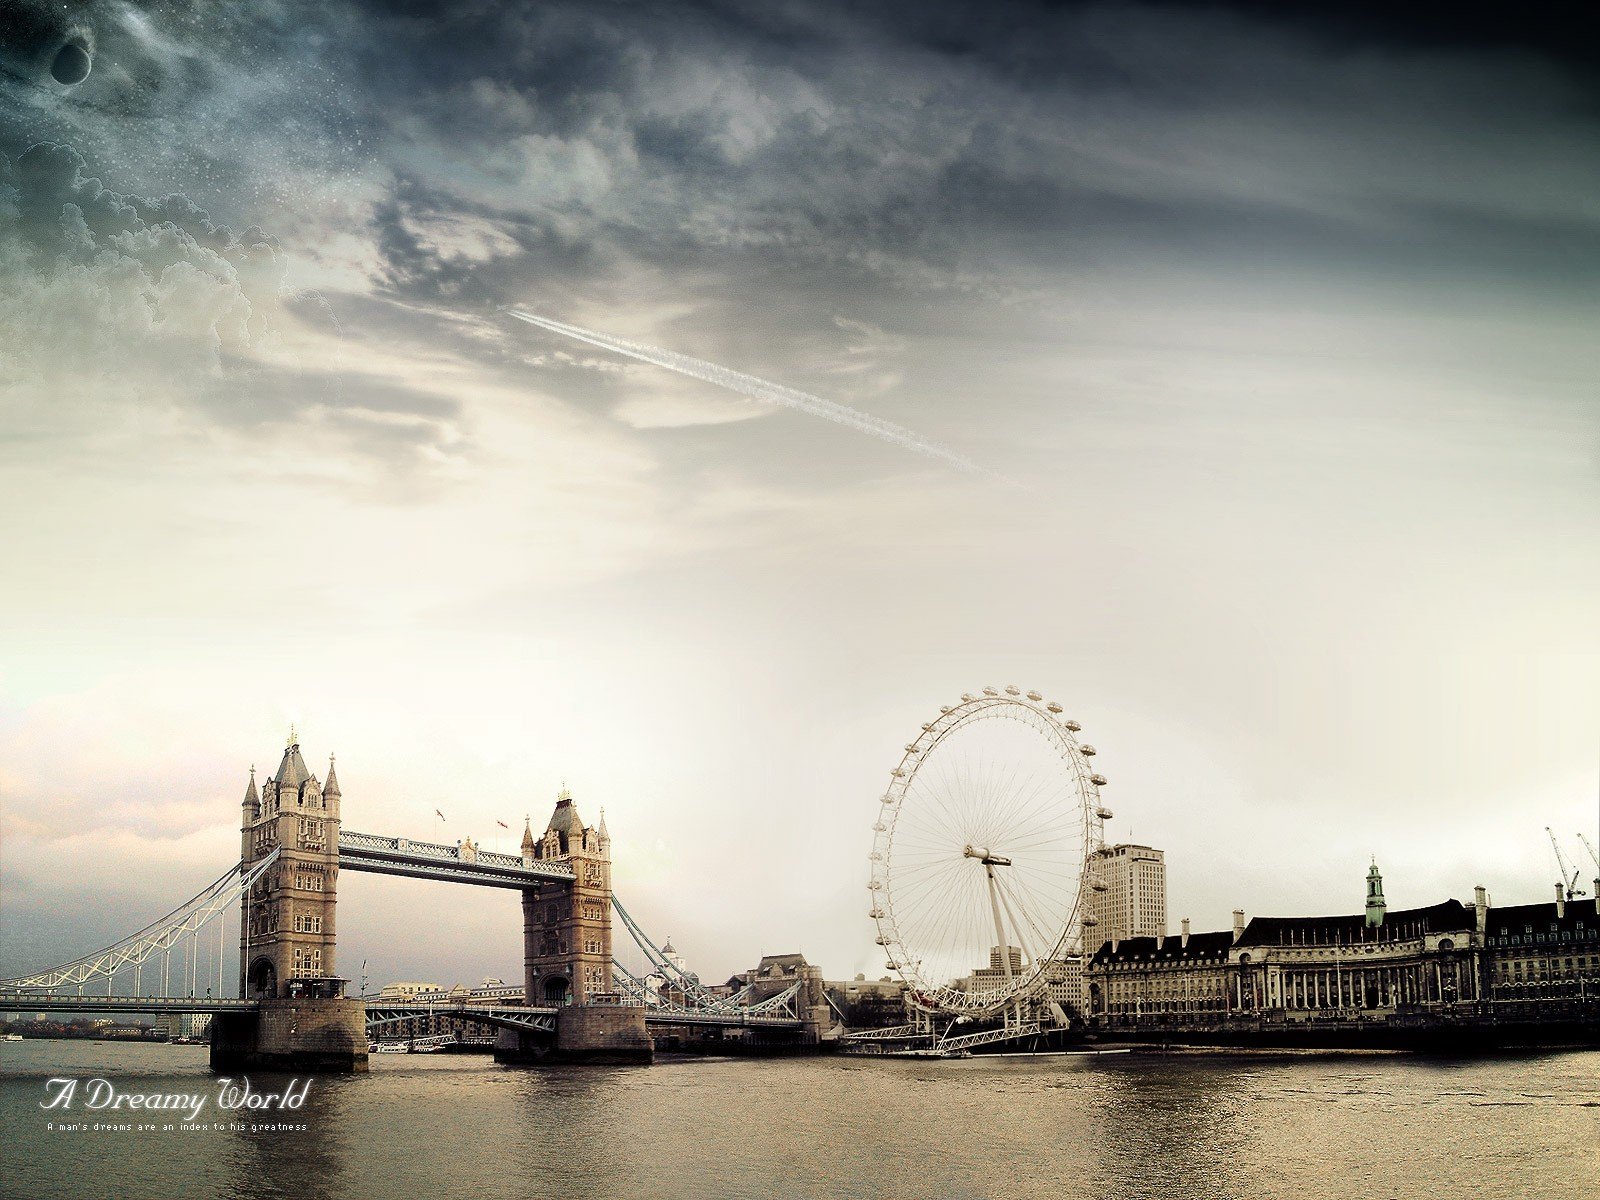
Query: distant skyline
[{"x": 1282, "y": 316}]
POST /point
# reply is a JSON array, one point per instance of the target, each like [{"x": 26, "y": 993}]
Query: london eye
[{"x": 982, "y": 851}]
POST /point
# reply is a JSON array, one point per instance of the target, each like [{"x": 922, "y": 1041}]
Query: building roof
[
  {"x": 1398, "y": 924},
  {"x": 788, "y": 962},
  {"x": 1448, "y": 916},
  {"x": 1513, "y": 920},
  {"x": 565, "y": 819},
  {"x": 292, "y": 771},
  {"x": 1168, "y": 949}
]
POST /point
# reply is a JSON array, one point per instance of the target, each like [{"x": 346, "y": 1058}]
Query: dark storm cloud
[
  {"x": 915, "y": 145},
  {"x": 929, "y": 146},
  {"x": 766, "y": 167},
  {"x": 148, "y": 300}
]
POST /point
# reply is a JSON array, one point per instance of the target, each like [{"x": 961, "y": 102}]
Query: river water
[{"x": 1127, "y": 1125}]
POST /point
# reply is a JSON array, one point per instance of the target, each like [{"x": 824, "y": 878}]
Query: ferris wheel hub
[{"x": 983, "y": 855}]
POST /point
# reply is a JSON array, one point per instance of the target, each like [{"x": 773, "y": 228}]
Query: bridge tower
[
  {"x": 288, "y": 937},
  {"x": 566, "y": 951},
  {"x": 566, "y": 931}
]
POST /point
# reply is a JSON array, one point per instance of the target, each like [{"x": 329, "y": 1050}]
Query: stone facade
[
  {"x": 1473, "y": 969},
  {"x": 566, "y": 929},
  {"x": 287, "y": 923},
  {"x": 1539, "y": 954},
  {"x": 292, "y": 1035},
  {"x": 585, "y": 1033}
]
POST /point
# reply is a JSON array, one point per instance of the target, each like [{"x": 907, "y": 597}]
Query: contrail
[{"x": 756, "y": 389}]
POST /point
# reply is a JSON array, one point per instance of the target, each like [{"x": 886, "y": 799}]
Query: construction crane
[
  {"x": 1589, "y": 846},
  {"x": 1570, "y": 885}
]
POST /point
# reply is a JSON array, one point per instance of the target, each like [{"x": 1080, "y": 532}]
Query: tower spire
[
  {"x": 331, "y": 788},
  {"x": 1375, "y": 902}
]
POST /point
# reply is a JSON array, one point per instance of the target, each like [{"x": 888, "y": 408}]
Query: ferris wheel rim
[{"x": 1047, "y": 719}]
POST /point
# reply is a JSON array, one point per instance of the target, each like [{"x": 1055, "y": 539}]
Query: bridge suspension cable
[
  {"x": 681, "y": 991},
  {"x": 157, "y": 937}
]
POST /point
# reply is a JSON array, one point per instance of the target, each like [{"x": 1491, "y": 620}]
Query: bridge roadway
[
  {"x": 511, "y": 1015},
  {"x": 381, "y": 855},
  {"x": 36, "y": 1002}
]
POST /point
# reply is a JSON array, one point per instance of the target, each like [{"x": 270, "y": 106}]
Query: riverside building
[
  {"x": 1127, "y": 897},
  {"x": 1295, "y": 978}
]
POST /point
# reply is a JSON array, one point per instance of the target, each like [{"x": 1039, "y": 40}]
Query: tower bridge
[{"x": 291, "y": 1011}]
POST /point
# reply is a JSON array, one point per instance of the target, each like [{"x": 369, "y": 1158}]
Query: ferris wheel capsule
[
  {"x": 966, "y": 698},
  {"x": 1035, "y": 697},
  {"x": 1105, "y": 814},
  {"x": 1013, "y": 690},
  {"x": 1087, "y": 749},
  {"x": 1098, "y": 780},
  {"x": 1073, "y": 726},
  {"x": 990, "y": 692},
  {"x": 1053, "y": 707}
]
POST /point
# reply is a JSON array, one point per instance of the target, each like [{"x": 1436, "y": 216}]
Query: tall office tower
[{"x": 1134, "y": 900}]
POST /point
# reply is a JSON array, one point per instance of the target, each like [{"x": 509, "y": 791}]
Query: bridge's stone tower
[
  {"x": 566, "y": 930},
  {"x": 566, "y": 951},
  {"x": 286, "y": 940}
]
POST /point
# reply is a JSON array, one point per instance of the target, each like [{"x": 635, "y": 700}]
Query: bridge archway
[
  {"x": 263, "y": 980},
  {"x": 556, "y": 989}
]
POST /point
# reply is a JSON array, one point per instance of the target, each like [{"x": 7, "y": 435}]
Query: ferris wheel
[{"x": 983, "y": 852}]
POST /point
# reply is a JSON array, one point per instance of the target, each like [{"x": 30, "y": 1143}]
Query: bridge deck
[
  {"x": 432, "y": 860},
  {"x": 23, "y": 1002}
]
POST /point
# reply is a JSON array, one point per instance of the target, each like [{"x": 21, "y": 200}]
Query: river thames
[{"x": 1107, "y": 1126}]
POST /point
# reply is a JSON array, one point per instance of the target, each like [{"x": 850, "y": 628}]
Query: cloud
[
  {"x": 119, "y": 310},
  {"x": 129, "y": 296}
]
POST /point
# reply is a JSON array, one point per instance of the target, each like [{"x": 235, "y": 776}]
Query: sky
[{"x": 1269, "y": 329}]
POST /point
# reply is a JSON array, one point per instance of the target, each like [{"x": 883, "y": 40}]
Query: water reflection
[{"x": 996, "y": 1129}]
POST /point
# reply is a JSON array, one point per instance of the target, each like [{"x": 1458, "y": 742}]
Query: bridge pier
[
  {"x": 295, "y": 1035},
  {"x": 585, "y": 1033}
]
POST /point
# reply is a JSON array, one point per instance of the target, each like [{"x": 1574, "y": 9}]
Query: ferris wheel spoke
[{"x": 1042, "y": 806}]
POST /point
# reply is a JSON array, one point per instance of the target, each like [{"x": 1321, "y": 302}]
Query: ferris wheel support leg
[{"x": 999, "y": 928}]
